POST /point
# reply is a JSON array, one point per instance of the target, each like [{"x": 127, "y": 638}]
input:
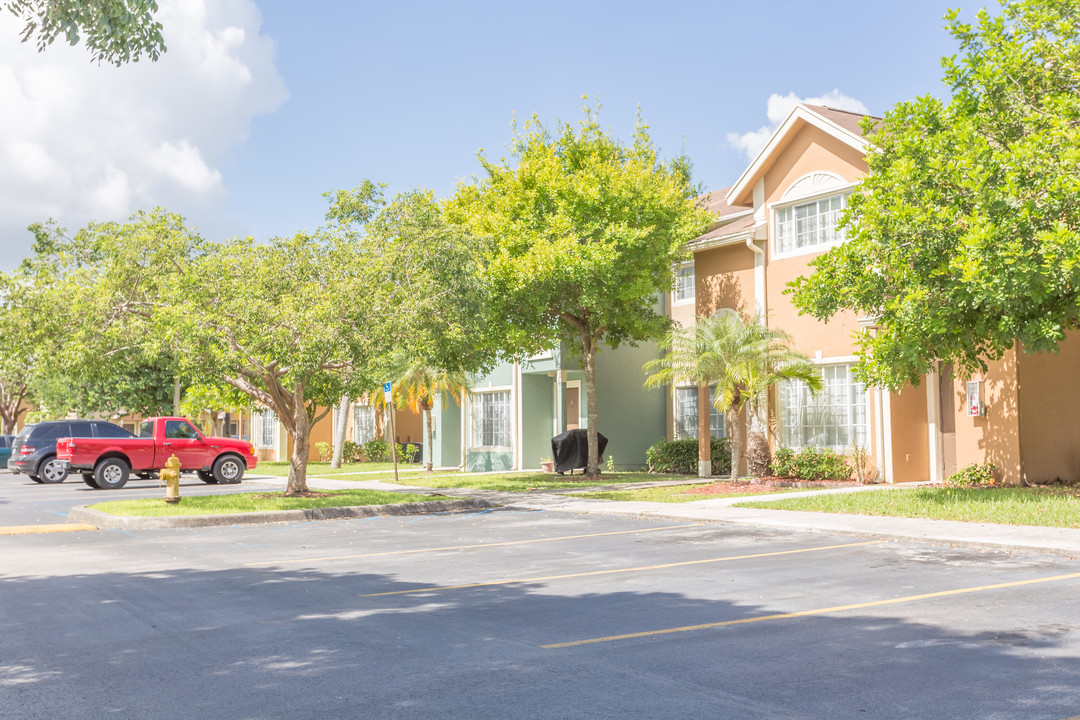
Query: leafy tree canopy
[
  {"x": 579, "y": 233},
  {"x": 965, "y": 236},
  {"x": 115, "y": 31}
]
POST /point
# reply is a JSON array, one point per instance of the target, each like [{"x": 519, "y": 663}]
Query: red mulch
[{"x": 727, "y": 487}]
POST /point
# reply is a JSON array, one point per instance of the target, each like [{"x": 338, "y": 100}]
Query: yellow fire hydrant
[{"x": 171, "y": 477}]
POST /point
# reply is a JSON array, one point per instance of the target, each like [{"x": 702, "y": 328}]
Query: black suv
[{"x": 34, "y": 450}]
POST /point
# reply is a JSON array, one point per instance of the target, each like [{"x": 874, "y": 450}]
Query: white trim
[
  {"x": 797, "y": 114},
  {"x": 933, "y": 427},
  {"x": 834, "y": 359},
  {"x": 835, "y": 183},
  {"x": 774, "y": 233},
  {"x": 675, "y": 301},
  {"x": 513, "y": 425},
  {"x": 886, "y": 411},
  {"x": 736, "y": 239},
  {"x": 516, "y": 429}
]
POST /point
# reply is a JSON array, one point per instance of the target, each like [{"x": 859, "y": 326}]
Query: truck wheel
[
  {"x": 206, "y": 477},
  {"x": 51, "y": 471},
  {"x": 228, "y": 469},
  {"x": 111, "y": 473},
  {"x": 88, "y": 478}
]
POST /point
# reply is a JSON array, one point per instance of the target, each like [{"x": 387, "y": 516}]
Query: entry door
[
  {"x": 573, "y": 407},
  {"x": 947, "y": 394}
]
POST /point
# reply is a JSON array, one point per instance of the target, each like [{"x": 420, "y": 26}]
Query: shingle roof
[{"x": 844, "y": 118}]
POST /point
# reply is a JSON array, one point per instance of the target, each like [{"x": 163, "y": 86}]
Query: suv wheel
[
  {"x": 111, "y": 473},
  {"x": 51, "y": 471}
]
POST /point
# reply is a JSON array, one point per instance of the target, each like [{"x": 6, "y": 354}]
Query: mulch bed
[{"x": 759, "y": 485}]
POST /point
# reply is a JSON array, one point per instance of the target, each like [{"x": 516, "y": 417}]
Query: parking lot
[{"x": 510, "y": 613}]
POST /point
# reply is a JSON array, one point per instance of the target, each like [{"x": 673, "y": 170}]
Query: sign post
[{"x": 388, "y": 397}]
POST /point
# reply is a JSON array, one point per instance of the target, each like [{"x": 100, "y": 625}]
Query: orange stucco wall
[
  {"x": 994, "y": 437},
  {"x": 724, "y": 278},
  {"x": 1048, "y": 438},
  {"x": 811, "y": 150}
]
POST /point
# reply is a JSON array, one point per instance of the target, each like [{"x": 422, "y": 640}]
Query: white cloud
[
  {"x": 81, "y": 142},
  {"x": 778, "y": 108}
]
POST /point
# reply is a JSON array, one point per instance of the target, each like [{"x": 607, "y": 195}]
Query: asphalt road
[{"x": 521, "y": 614}]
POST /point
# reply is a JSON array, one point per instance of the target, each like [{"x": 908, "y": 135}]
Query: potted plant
[{"x": 547, "y": 465}]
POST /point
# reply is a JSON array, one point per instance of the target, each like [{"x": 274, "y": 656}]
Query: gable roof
[{"x": 841, "y": 124}]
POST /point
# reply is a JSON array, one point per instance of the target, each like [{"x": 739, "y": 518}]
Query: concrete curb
[{"x": 103, "y": 521}]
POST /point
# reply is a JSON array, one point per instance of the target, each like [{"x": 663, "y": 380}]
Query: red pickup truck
[{"x": 107, "y": 462}]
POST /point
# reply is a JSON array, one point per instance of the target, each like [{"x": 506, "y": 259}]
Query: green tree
[
  {"x": 964, "y": 238},
  {"x": 743, "y": 360},
  {"x": 581, "y": 232},
  {"x": 116, "y": 31}
]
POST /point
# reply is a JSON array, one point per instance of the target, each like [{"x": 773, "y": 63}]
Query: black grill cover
[{"x": 571, "y": 449}]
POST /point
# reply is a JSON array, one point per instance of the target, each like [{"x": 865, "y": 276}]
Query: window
[
  {"x": 108, "y": 430},
  {"x": 834, "y": 418},
  {"x": 491, "y": 420},
  {"x": 684, "y": 283},
  {"x": 803, "y": 228},
  {"x": 686, "y": 414},
  {"x": 265, "y": 429},
  {"x": 180, "y": 430},
  {"x": 363, "y": 424},
  {"x": 716, "y": 418}
]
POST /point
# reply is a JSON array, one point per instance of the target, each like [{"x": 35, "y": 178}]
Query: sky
[{"x": 259, "y": 107}]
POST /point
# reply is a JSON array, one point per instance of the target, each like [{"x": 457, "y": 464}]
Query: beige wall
[
  {"x": 1048, "y": 384},
  {"x": 996, "y": 436}
]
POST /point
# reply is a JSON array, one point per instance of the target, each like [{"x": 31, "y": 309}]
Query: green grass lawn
[
  {"x": 322, "y": 469},
  {"x": 679, "y": 493},
  {"x": 1045, "y": 507},
  {"x": 523, "y": 482},
  {"x": 254, "y": 502}
]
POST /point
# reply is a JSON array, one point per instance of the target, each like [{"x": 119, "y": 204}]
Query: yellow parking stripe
[
  {"x": 39, "y": 529},
  {"x": 642, "y": 568},
  {"x": 472, "y": 547},
  {"x": 819, "y": 611}
]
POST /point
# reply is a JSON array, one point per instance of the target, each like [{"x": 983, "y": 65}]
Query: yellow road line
[
  {"x": 622, "y": 570},
  {"x": 39, "y": 529},
  {"x": 471, "y": 547},
  {"x": 819, "y": 611}
]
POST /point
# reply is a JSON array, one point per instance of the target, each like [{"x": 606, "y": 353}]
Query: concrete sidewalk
[{"x": 988, "y": 536}]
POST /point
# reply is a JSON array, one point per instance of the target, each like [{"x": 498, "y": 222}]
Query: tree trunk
[
  {"x": 758, "y": 455},
  {"x": 736, "y": 451},
  {"x": 176, "y": 398},
  {"x": 339, "y": 432},
  {"x": 300, "y": 434},
  {"x": 429, "y": 439},
  {"x": 589, "y": 354}
]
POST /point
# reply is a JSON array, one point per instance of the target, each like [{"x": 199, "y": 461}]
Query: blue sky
[{"x": 259, "y": 107}]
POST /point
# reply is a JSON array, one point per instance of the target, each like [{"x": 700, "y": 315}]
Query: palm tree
[
  {"x": 417, "y": 388},
  {"x": 743, "y": 360}
]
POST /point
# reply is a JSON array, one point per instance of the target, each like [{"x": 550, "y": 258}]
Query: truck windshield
[{"x": 146, "y": 430}]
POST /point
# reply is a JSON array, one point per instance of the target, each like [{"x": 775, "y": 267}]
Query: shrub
[
  {"x": 681, "y": 456},
  {"x": 377, "y": 450},
  {"x": 973, "y": 476},
  {"x": 783, "y": 463},
  {"x": 324, "y": 451},
  {"x": 352, "y": 452},
  {"x": 814, "y": 464},
  {"x": 407, "y": 453}
]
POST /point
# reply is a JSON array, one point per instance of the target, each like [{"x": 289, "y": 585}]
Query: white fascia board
[
  {"x": 799, "y": 112},
  {"x": 737, "y": 239}
]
